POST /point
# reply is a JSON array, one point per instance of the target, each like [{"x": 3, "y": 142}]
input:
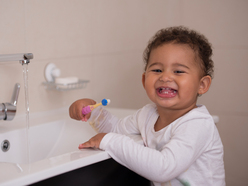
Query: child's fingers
[
  {"x": 75, "y": 110},
  {"x": 81, "y": 146},
  {"x": 94, "y": 142},
  {"x": 87, "y": 144},
  {"x": 84, "y": 118}
]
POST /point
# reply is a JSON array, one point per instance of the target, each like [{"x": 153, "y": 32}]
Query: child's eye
[
  {"x": 178, "y": 71},
  {"x": 157, "y": 70}
]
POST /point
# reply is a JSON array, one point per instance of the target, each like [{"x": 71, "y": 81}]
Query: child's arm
[
  {"x": 163, "y": 157},
  {"x": 160, "y": 165},
  {"x": 104, "y": 122}
]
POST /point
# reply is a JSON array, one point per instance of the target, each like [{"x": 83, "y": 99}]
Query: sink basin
[
  {"x": 52, "y": 140},
  {"x": 44, "y": 141}
]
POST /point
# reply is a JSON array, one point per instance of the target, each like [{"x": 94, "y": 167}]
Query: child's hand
[
  {"x": 94, "y": 142},
  {"x": 75, "y": 109}
]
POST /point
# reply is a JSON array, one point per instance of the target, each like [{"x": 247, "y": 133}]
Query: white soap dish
[
  {"x": 66, "y": 80},
  {"x": 54, "y": 81},
  {"x": 65, "y": 87}
]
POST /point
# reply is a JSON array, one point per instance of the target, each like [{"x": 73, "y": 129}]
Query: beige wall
[{"x": 103, "y": 41}]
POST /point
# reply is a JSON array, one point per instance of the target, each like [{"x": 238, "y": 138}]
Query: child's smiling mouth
[{"x": 166, "y": 92}]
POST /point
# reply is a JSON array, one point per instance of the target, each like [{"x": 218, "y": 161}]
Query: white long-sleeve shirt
[{"x": 187, "y": 152}]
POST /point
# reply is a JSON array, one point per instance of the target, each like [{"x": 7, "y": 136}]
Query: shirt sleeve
[
  {"x": 187, "y": 143},
  {"x": 104, "y": 122}
]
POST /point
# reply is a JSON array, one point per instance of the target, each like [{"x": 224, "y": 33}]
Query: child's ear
[
  {"x": 205, "y": 83},
  {"x": 143, "y": 79}
]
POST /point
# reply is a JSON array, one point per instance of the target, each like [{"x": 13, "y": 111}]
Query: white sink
[
  {"x": 45, "y": 141},
  {"x": 53, "y": 146}
]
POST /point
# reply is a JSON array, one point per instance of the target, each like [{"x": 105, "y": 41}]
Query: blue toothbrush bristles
[{"x": 105, "y": 102}]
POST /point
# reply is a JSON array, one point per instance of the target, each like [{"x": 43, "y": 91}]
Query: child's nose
[{"x": 166, "y": 77}]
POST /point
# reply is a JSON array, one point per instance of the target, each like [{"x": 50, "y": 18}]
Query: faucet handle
[
  {"x": 2, "y": 111},
  {"x": 15, "y": 94},
  {"x": 10, "y": 108}
]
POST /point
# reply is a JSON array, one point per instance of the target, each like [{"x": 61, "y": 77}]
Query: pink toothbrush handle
[{"x": 87, "y": 109}]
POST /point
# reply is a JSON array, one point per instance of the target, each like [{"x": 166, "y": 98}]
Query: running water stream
[{"x": 25, "y": 78}]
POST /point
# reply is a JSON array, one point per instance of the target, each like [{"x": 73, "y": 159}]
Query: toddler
[{"x": 180, "y": 142}]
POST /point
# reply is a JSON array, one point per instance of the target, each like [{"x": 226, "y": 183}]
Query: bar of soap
[{"x": 66, "y": 80}]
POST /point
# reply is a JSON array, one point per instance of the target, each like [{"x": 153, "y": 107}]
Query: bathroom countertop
[
  {"x": 54, "y": 162},
  {"x": 24, "y": 174}
]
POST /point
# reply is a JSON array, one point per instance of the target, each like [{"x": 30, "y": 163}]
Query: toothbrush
[{"x": 89, "y": 108}]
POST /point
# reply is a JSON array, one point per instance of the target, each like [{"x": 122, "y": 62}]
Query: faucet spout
[
  {"x": 23, "y": 58},
  {"x": 8, "y": 110}
]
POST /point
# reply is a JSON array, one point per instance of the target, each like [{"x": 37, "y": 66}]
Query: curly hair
[{"x": 182, "y": 35}]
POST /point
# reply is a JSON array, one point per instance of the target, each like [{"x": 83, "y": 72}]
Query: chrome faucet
[
  {"x": 22, "y": 58},
  {"x": 8, "y": 110}
]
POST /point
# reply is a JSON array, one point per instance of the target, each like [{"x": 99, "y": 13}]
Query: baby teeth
[{"x": 167, "y": 90}]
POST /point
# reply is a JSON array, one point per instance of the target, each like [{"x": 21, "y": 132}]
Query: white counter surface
[{"x": 24, "y": 174}]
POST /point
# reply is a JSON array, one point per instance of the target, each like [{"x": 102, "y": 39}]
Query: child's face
[{"x": 173, "y": 77}]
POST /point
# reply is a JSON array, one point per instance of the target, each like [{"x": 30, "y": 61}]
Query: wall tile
[
  {"x": 223, "y": 22},
  {"x": 117, "y": 26},
  {"x": 64, "y": 26},
  {"x": 12, "y": 27}
]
